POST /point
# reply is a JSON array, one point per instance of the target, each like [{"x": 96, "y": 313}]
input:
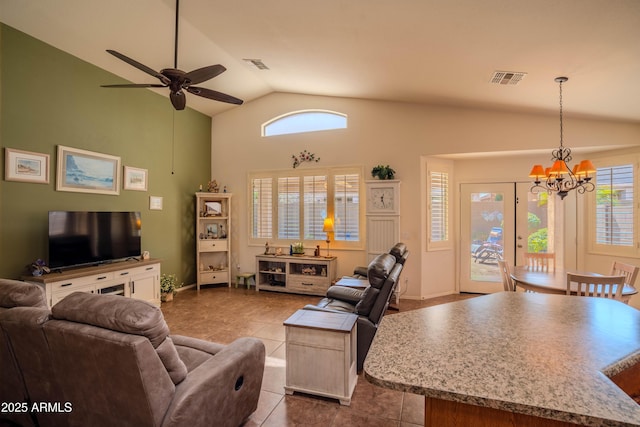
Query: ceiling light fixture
[{"x": 559, "y": 178}]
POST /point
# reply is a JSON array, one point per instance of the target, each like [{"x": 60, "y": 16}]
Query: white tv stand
[{"x": 133, "y": 279}]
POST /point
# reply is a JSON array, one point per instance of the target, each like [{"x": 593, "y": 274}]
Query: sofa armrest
[
  {"x": 345, "y": 293},
  {"x": 193, "y": 351},
  {"x": 197, "y": 344},
  {"x": 360, "y": 271},
  {"x": 330, "y": 310},
  {"x": 224, "y": 390}
]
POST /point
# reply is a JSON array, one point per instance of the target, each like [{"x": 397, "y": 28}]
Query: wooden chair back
[
  {"x": 630, "y": 272},
  {"x": 595, "y": 286},
  {"x": 540, "y": 261},
  {"x": 507, "y": 280}
]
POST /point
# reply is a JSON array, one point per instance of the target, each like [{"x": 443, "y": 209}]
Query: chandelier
[{"x": 560, "y": 178}]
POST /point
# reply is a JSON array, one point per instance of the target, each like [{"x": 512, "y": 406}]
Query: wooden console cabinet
[
  {"x": 295, "y": 274},
  {"x": 134, "y": 279}
]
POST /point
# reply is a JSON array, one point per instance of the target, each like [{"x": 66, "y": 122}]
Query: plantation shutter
[
  {"x": 439, "y": 203},
  {"x": 347, "y": 207},
  {"x": 289, "y": 207},
  {"x": 315, "y": 206},
  {"x": 262, "y": 208},
  {"x": 615, "y": 206}
]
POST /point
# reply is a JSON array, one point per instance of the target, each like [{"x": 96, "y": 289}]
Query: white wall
[{"x": 397, "y": 134}]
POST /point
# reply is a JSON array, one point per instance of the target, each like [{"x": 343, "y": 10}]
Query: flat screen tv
[{"x": 82, "y": 238}]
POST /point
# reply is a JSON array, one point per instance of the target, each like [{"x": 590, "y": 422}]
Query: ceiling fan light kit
[{"x": 177, "y": 80}]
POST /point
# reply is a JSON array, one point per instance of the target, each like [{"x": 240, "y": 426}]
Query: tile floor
[{"x": 223, "y": 314}]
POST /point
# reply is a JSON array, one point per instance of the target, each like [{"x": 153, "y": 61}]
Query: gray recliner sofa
[
  {"x": 111, "y": 361},
  {"x": 13, "y": 390},
  {"x": 370, "y": 304}
]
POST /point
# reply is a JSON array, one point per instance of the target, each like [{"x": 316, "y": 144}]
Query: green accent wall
[{"x": 50, "y": 98}]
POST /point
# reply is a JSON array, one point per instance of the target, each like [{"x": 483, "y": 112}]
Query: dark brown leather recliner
[{"x": 369, "y": 304}]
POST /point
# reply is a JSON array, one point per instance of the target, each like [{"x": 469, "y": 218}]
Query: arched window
[{"x": 304, "y": 121}]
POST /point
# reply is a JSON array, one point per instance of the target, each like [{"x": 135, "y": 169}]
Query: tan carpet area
[{"x": 223, "y": 314}]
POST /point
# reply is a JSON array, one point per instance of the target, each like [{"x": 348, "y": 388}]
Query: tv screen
[{"x": 80, "y": 238}]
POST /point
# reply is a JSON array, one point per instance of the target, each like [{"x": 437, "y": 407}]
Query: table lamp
[{"x": 327, "y": 227}]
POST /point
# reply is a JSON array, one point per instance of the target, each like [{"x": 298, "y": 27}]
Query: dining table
[{"x": 555, "y": 281}]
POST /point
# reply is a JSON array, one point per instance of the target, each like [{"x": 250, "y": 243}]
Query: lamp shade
[
  {"x": 587, "y": 167},
  {"x": 536, "y": 171},
  {"x": 559, "y": 168},
  {"x": 327, "y": 227}
]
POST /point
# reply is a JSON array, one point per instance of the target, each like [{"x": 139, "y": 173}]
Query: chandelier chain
[{"x": 561, "y": 126}]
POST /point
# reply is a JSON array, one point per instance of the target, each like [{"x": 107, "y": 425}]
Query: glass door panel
[
  {"x": 487, "y": 234},
  {"x": 537, "y": 224}
]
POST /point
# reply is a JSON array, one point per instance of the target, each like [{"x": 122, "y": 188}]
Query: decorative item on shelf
[
  {"x": 316, "y": 252},
  {"x": 310, "y": 271},
  {"x": 278, "y": 251},
  {"x": 213, "y": 187},
  {"x": 383, "y": 172},
  {"x": 168, "y": 285},
  {"x": 297, "y": 248},
  {"x": 266, "y": 248},
  {"x": 327, "y": 227},
  {"x": 212, "y": 209},
  {"x": 38, "y": 268},
  {"x": 560, "y": 178},
  {"x": 304, "y": 156}
]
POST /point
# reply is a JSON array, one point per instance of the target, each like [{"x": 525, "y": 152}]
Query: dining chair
[
  {"x": 630, "y": 272},
  {"x": 540, "y": 261},
  {"x": 505, "y": 272},
  {"x": 595, "y": 286}
]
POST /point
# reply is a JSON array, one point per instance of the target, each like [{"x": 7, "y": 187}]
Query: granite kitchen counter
[{"x": 542, "y": 357}]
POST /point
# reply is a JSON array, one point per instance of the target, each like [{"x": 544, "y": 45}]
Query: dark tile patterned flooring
[{"x": 222, "y": 314}]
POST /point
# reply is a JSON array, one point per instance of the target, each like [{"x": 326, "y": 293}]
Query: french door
[{"x": 501, "y": 220}]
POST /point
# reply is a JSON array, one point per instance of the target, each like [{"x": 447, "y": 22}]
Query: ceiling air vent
[
  {"x": 257, "y": 63},
  {"x": 506, "y": 77}
]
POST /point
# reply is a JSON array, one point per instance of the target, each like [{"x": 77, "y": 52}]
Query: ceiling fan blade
[
  {"x": 216, "y": 96},
  {"x": 178, "y": 99},
  {"x": 136, "y": 85},
  {"x": 140, "y": 66},
  {"x": 205, "y": 73}
]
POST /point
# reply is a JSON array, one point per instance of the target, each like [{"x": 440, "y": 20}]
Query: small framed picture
[
  {"x": 155, "y": 203},
  {"x": 26, "y": 166},
  {"x": 135, "y": 178},
  {"x": 212, "y": 231}
]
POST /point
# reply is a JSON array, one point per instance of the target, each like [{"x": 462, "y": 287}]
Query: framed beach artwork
[
  {"x": 135, "y": 178},
  {"x": 87, "y": 172},
  {"x": 26, "y": 166}
]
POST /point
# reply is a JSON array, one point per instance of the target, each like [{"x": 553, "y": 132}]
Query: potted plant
[
  {"x": 39, "y": 267},
  {"x": 168, "y": 285},
  {"x": 383, "y": 172}
]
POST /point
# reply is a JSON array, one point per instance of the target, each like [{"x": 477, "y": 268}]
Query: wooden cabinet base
[{"x": 445, "y": 413}]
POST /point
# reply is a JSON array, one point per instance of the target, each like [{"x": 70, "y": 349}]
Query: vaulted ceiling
[{"x": 423, "y": 51}]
